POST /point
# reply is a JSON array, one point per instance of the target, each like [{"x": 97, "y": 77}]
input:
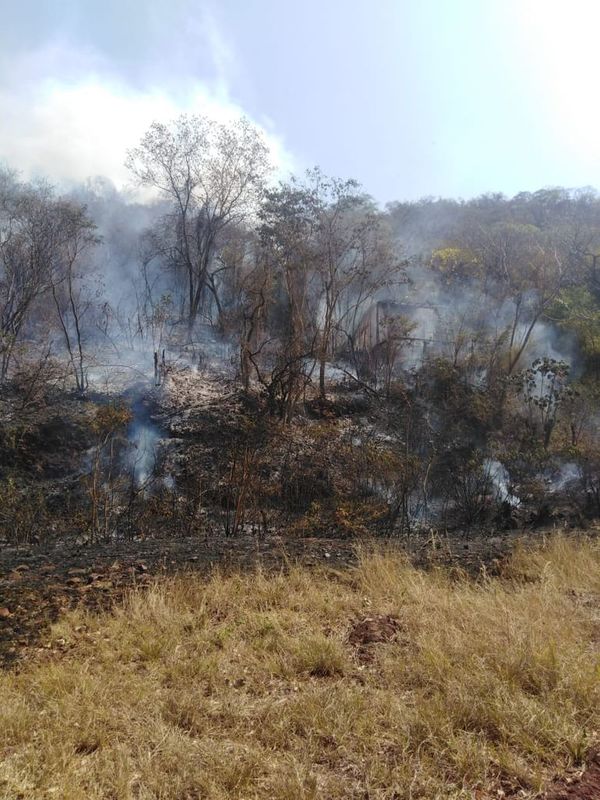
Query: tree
[
  {"x": 70, "y": 285},
  {"x": 213, "y": 176},
  {"x": 523, "y": 273},
  {"x": 287, "y": 239},
  {"x": 39, "y": 235},
  {"x": 333, "y": 252},
  {"x": 254, "y": 301},
  {"x": 354, "y": 257},
  {"x": 26, "y": 237}
]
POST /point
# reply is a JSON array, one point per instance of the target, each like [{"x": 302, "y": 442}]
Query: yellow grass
[{"x": 247, "y": 686}]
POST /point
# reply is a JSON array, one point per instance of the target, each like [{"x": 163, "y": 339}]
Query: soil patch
[{"x": 583, "y": 787}]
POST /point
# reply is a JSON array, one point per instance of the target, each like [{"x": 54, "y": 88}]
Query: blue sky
[{"x": 411, "y": 97}]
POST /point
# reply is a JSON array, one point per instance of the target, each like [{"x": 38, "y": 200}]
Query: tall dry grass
[{"x": 248, "y": 686}]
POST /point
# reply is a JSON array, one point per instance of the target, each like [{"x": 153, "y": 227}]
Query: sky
[{"x": 412, "y": 98}]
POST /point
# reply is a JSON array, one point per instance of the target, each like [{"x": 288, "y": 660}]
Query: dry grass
[{"x": 248, "y": 687}]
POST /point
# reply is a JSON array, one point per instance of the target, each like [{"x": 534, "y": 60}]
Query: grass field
[{"x": 378, "y": 682}]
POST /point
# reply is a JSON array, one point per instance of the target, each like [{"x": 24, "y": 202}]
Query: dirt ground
[
  {"x": 37, "y": 584},
  {"x": 584, "y": 785}
]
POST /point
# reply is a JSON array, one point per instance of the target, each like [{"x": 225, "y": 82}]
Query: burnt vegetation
[{"x": 238, "y": 354}]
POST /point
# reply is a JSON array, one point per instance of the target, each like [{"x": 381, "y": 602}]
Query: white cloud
[
  {"x": 67, "y": 117},
  {"x": 70, "y": 132}
]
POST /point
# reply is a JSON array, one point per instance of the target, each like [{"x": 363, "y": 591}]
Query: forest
[{"x": 219, "y": 351}]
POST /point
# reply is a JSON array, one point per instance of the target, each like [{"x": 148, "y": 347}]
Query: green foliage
[{"x": 456, "y": 264}]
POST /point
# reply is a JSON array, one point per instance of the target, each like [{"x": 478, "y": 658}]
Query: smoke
[
  {"x": 120, "y": 220},
  {"x": 144, "y": 435},
  {"x": 565, "y": 478},
  {"x": 547, "y": 342},
  {"x": 76, "y": 92},
  {"x": 426, "y": 225},
  {"x": 144, "y": 438},
  {"x": 451, "y": 322},
  {"x": 498, "y": 475}
]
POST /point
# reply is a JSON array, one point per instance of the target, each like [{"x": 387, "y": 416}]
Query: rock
[
  {"x": 4, "y": 613},
  {"x": 77, "y": 571}
]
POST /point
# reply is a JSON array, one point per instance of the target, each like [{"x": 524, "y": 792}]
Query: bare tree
[
  {"x": 523, "y": 271},
  {"x": 354, "y": 258},
  {"x": 38, "y": 235},
  {"x": 213, "y": 175},
  {"x": 71, "y": 286}
]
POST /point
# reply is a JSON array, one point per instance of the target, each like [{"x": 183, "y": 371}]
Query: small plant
[
  {"x": 543, "y": 387},
  {"x": 106, "y": 483}
]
